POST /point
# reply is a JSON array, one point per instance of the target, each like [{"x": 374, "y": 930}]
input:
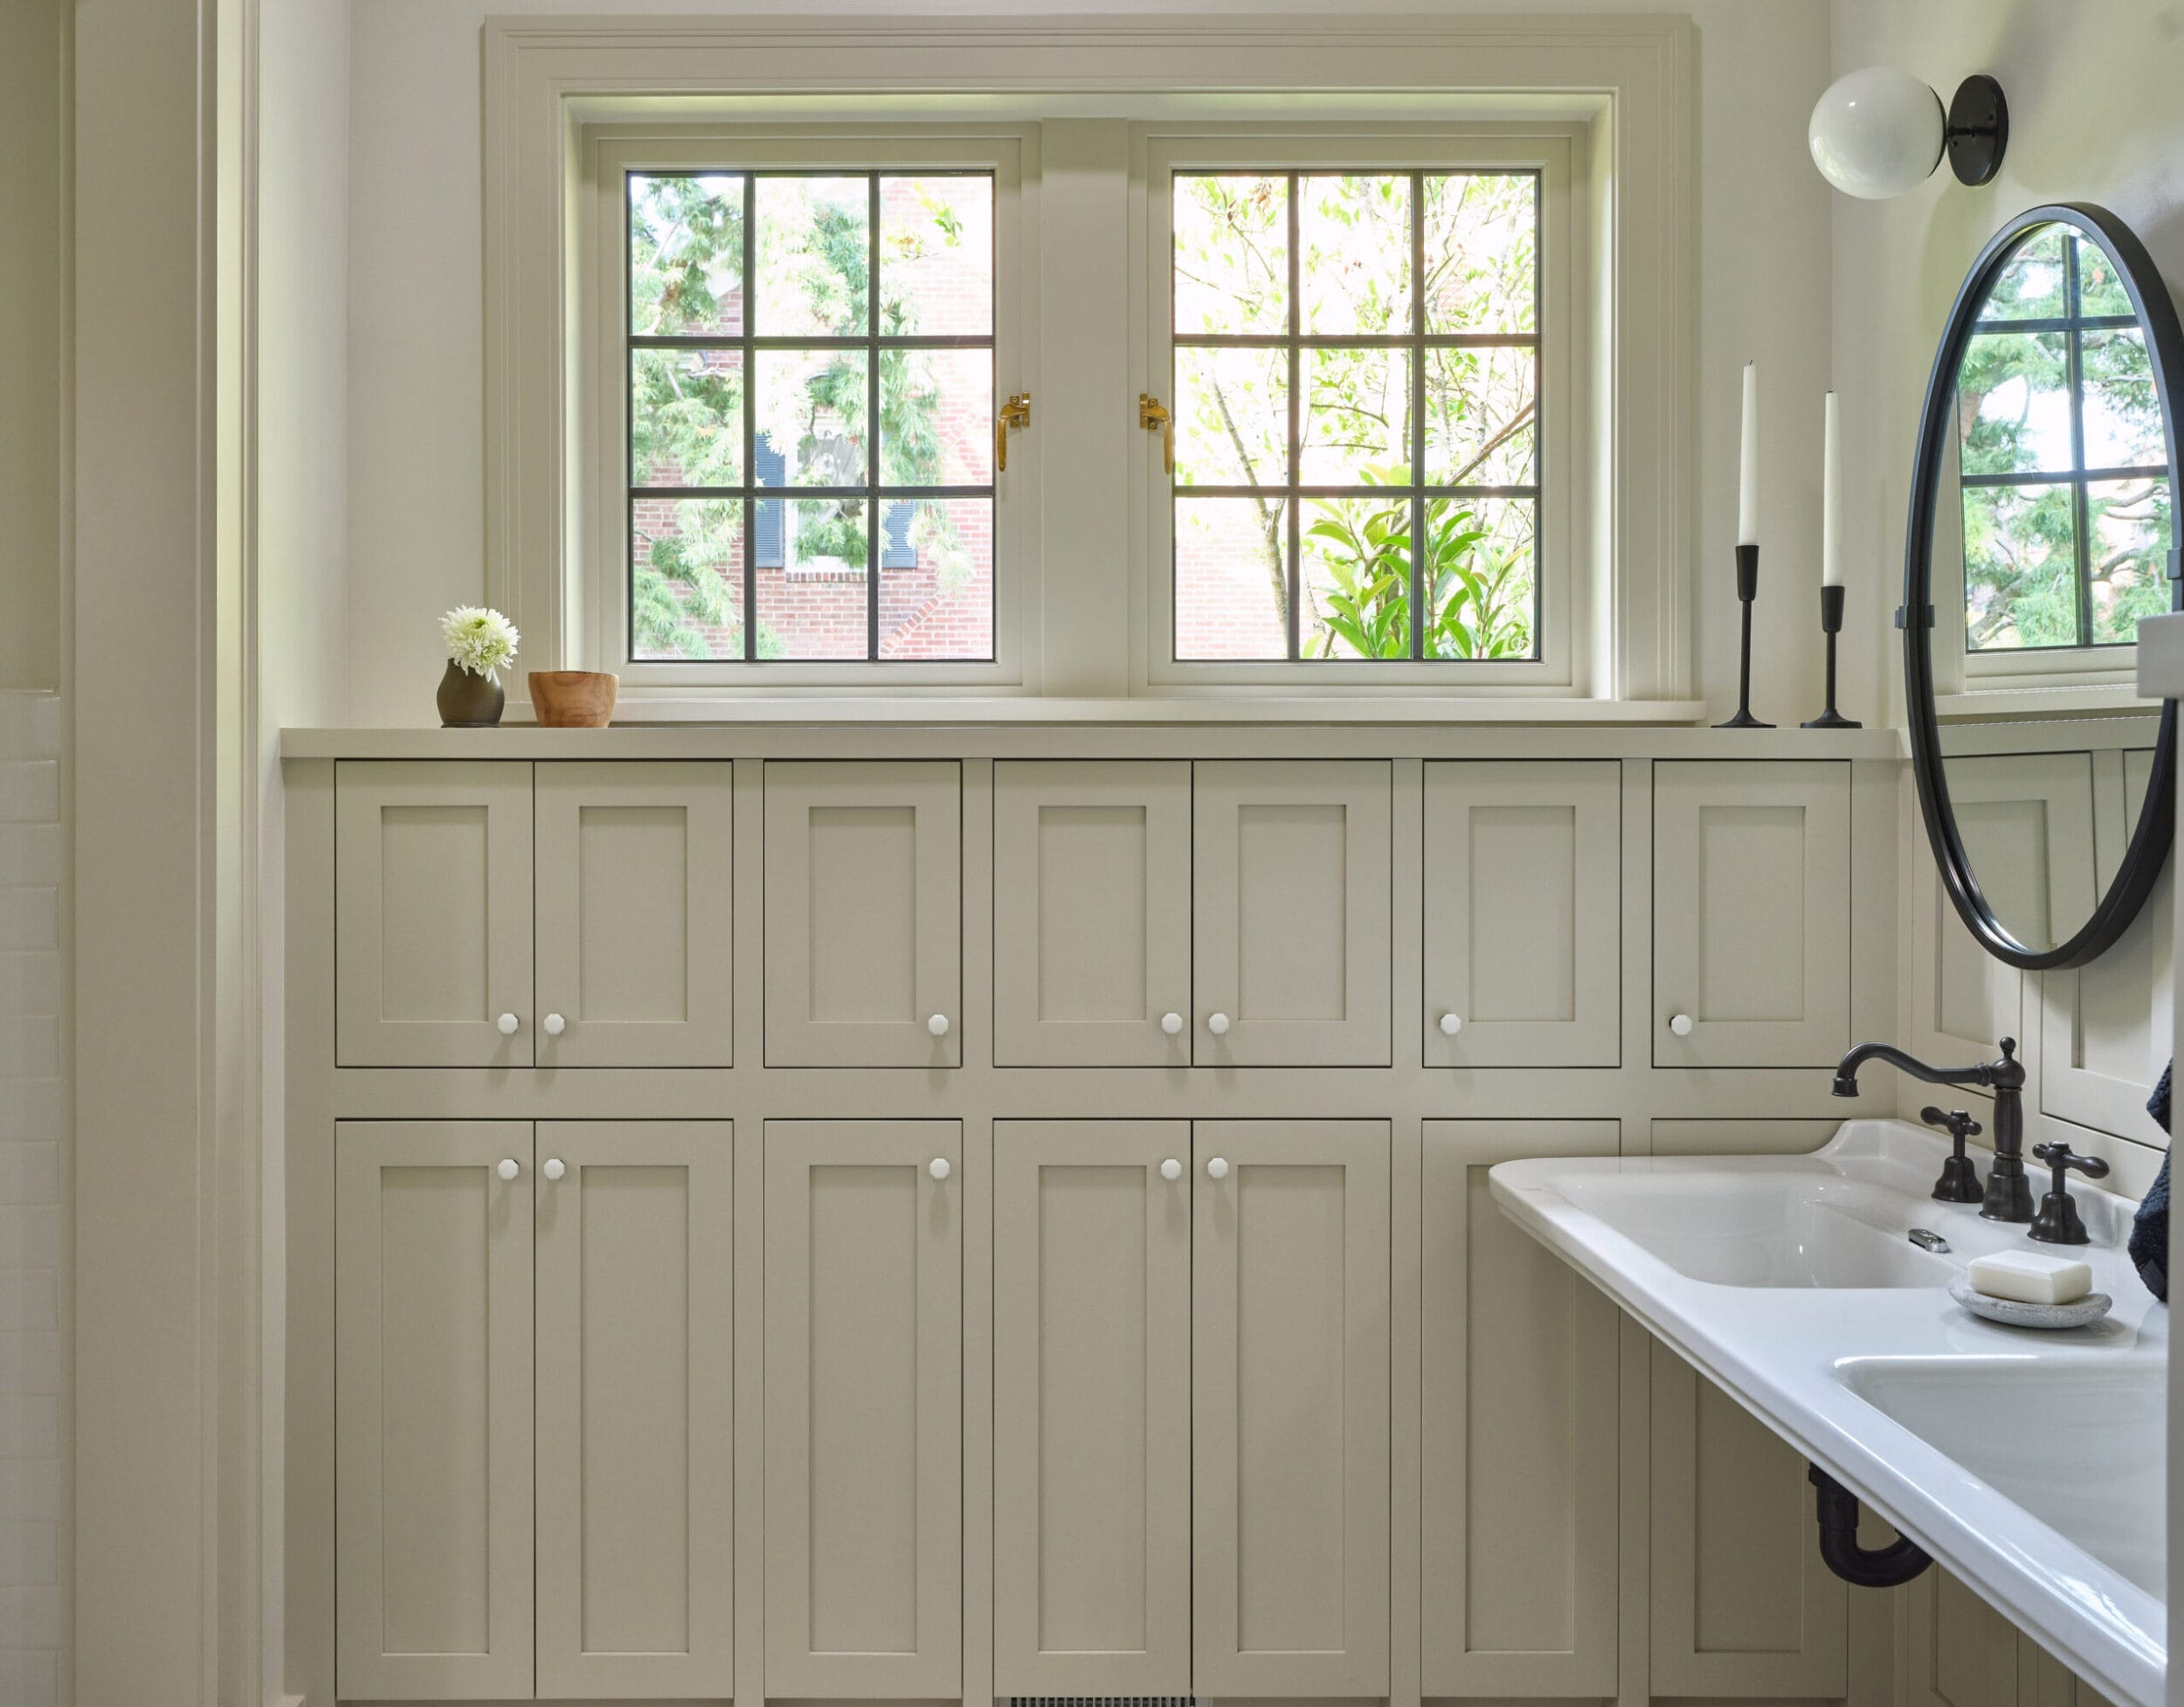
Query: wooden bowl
[{"x": 573, "y": 699}]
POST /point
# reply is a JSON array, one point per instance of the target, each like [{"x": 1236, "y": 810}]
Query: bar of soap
[{"x": 2030, "y": 1277}]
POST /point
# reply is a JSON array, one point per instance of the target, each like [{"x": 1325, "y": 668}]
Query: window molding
[{"x": 1630, "y": 78}]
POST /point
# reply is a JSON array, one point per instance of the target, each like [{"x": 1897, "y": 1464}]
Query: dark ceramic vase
[{"x": 468, "y": 702}]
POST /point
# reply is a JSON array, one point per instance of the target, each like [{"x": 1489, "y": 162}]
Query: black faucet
[
  {"x": 2058, "y": 1221},
  {"x": 2009, "y": 1193}
]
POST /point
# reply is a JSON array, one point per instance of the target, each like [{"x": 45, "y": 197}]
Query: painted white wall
[{"x": 415, "y": 410}]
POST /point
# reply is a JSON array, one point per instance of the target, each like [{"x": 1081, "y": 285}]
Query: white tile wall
[{"x": 33, "y": 1186}]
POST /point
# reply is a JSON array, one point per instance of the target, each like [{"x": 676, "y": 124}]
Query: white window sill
[
  {"x": 1226, "y": 709},
  {"x": 2092, "y": 699}
]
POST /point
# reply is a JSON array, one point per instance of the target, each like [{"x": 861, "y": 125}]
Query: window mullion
[
  {"x": 1293, "y": 545},
  {"x": 1417, "y": 358},
  {"x": 751, "y": 430},
  {"x": 2082, "y": 556},
  {"x": 872, "y": 421}
]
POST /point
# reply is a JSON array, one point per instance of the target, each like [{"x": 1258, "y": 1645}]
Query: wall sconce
[{"x": 1880, "y": 132}]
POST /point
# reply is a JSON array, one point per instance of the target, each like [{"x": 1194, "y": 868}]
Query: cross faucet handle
[
  {"x": 1959, "y": 1181},
  {"x": 2058, "y": 1221},
  {"x": 1957, "y": 1122}
]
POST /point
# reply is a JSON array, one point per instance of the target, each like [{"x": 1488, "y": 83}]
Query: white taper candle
[
  {"x": 1748, "y": 462},
  {"x": 1831, "y": 497}
]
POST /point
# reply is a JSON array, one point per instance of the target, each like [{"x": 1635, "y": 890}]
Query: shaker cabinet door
[
  {"x": 1291, "y": 1411},
  {"x": 1092, "y": 1408},
  {"x": 1291, "y": 897},
  {"x": 635, "y": 915},
  {"x": 433, "y": 1410},
  {"x": 635, "y": 1431},
  {"x": 432, "y": 914},
  {"x": 864, "y": 915},
  {"x": 864, "y": 1408},
  {"x": 1092, "y": 913},
  {"x": 1752, "y": 913}
]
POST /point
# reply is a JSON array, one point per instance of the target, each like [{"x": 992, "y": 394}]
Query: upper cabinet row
[{"x": 1165, "y": 913}]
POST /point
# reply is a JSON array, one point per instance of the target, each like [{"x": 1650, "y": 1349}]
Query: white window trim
[{"x": 1627, "y": 78}]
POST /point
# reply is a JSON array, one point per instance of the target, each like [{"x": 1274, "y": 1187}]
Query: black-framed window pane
[
  {"x": 2122, "y": 411},
  {"x": 1355, "y": 560},
  {"x": 1356, "y": 429},
  {"x": 1479, "y": 573},
  {"x": 940, "y": 603},
  {"x": 686, "y": 417},
  {"x": 809, "y": 407},
  {"x": 2128, "y": 530},
  {"x": 937, "y": 256},
  {"x": 685, "y": 238},
  {"x": 1231, "y": 578},
  {"x": 2035, "y": 285},
  {"x": 1231, "y": 417},
  {"x": 936, "y": 415},
  {"x": 1480, "y": 252},
  {"x": 814, "y": 255},
  {"x": 2020, "y": 577},
  {"x": 2099, "y": 290},
  {"x": 687, "y": 578},
  {"x": 1232, "y": 253},
  {"x": 814, "y": 607},
  {"x": 2013, "y": 403},
  {"x": 1354, "y": 241},
  {"x": 1481, "y": 415}
]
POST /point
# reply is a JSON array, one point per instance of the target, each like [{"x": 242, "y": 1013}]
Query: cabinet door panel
[
  {"x": 1091, "y": 913},
  {"x": 1521, "y": 1421},
  {"x": 1523, "y": 909},
  {"x": 432, "y": 913},
  {"x": 864, "y": 914},
  {"x": 1290, "y": 908},
  {"x": 1092, "y": 1403},
  {"x": 636, "y": 893},
  {"x": 1289, "y": 1262},
  {"x": 1959, "y": 1652},
  {"x": 1752, "y": 909},
  {"x": 864, "y": 1409},
  {"x": 636, "y": 1495},
  {"x": 433, "y": 1410}
]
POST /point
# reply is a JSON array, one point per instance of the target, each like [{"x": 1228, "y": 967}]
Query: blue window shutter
[
  {"x": 769, "y": 467},
  {"x": 895, "y": 550}
]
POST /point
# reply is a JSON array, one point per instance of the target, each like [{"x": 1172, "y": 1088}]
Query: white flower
[{"x": 483, "y": 641}]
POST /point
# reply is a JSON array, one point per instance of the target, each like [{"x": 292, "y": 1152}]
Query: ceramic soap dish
[{"x": 2078, "y": 1313}]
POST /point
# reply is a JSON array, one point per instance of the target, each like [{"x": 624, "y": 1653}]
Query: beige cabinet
[
  {"x": 1958, "y": 1651},
  {"x": 1742, "y": 1605},
  {"x": 1291, "y": 1415},
  {"x": 432, "y": 889},
  {"x": 1092, "y": 913},
  {"x": 635, "y": 1494},
  {"x": 635, "y": 915},
  {"x": 1520, "y": 1430},
  {"x": 1092, "y": 1408},
  {"x": 1752, "y": 913},
  {"x": 1290, "y": 912},
  {"x": 864, "y": 1408},
  {"x": 864, "y": 915},
  {"x": 1522, "y": 912},
  {"x": 433, "y": 1409}
]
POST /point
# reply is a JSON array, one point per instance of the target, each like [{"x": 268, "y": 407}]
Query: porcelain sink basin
[
  {"x": 2080, "y": 1448},
  {"x": 1739, "y": 1228}
]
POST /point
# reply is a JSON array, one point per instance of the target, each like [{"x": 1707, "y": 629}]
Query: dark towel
[{"x": 2150, "y": 1232}]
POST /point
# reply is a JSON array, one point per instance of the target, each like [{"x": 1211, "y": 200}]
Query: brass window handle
[
  {"x": 1155, "y": 418},
  {"x": 1016, "y": 412}
]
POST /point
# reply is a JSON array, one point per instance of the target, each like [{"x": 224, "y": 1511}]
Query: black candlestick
[
  {"x": 1831, "y": 624},
  {"x": 1747, "y": 590}
]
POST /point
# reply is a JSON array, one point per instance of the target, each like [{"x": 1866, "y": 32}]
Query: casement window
[{"x": 1360, "y": 391}]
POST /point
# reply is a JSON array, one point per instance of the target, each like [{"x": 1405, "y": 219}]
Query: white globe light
[{"x": 1877, "y": 132}]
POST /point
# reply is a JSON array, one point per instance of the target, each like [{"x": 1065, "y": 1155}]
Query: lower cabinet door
[
  {"x": 1742, "y": 1605},
  {"x": 864, "y": 1408},
  {"x": 433, "y": 1410},
  {"x": 1959, "y": 1652},
  {"x": 1092, "y": 1408},
  {"x": 1289, "y": 1267},
  {"x": 1521, "y": 1417},
  {"x": 635, "y": 1428}
]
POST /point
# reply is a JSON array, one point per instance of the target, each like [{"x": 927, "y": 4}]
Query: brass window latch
[
  {"x": 1154, "y": 418},
  {"x": 1016, "y": 412}
]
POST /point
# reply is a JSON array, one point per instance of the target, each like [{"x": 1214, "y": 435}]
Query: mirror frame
[{"x": 2150, "y": 839}]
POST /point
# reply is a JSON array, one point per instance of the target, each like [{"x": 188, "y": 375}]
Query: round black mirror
[{"x": 2041, "y": 531}]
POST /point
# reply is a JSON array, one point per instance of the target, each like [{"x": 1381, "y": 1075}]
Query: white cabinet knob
[
  {"x": 555, "y": 1025},
  {"x": 1217, "y": 1024},
  {"x": 1172, "y": 1169},
  {"x": 553, "y": 1170},
  {"x": 937, "y": 1025},
  {"x": 1218, "y": 1167},
  {"x": 1450, "y": 1024},
  {"x": 509, "y": 1022},
  {"x": 1172, "y": 1024},
  {"x": 508, "y": 1169},
  {"x": 1680, "y": 1024},
  {"x": 938, "y": 1167}
]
